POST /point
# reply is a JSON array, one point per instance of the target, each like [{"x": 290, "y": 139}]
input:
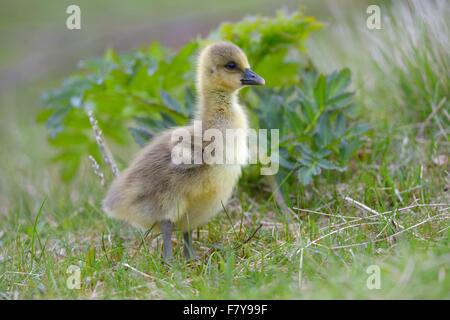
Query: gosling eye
[{"x": 231, "y": 65}]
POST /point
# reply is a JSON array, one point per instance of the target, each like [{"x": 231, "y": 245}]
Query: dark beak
[{"x": 251, "y": 78}]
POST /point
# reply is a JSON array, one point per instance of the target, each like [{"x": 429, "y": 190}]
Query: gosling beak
[{"x": 251, "y": 78}]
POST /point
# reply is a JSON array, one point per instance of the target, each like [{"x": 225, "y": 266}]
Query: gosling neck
[{"x": 216, "y": 104}]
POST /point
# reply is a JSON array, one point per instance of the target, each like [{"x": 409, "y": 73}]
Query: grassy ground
[{"x": 390, "y": 209}]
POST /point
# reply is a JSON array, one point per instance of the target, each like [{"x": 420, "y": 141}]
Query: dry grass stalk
[
  {"x": 107, "y": 157},
  {"x": 97, "y": 171}
]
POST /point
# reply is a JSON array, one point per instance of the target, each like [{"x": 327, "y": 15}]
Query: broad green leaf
[
  {"x": 320, "y": 92},
  {"x": 140, "y": 135},
  {"x": 171, "y": 103},
  {"x": 328, "y": 165},
  {"x": 339, "y": 81}
]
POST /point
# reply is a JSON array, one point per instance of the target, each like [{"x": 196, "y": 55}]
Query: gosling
[{"x": 154, "y": 192}]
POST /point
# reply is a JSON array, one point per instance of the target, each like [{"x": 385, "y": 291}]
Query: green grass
[
  {"x": 254, "y": 251},
  {"x": 45, "y": 234}
]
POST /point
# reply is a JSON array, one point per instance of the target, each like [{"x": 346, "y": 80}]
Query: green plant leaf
[
  {"x": 170, "y": 102},
  {"x": 140, "y": 135},
  {"x": 320, "y": 92}
]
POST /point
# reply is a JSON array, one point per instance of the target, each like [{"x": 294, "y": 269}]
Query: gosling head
[{"x": 224, "y": 67}]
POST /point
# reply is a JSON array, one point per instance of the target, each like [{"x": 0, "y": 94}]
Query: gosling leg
[
  {"x": 167, "y": 228},
  {"x": 188, "y": 249}
]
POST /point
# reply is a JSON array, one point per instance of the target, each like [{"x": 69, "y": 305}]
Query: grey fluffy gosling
[{"x": 155, "y": 192}]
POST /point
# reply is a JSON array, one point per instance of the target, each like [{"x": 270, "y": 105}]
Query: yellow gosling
[{"x": 156, "y": 192}]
